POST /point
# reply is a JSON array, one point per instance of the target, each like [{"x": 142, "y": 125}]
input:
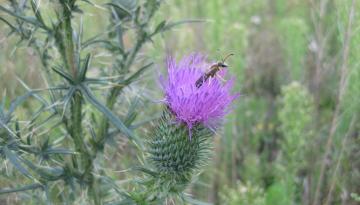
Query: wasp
[{"x": 212, "y": 71}]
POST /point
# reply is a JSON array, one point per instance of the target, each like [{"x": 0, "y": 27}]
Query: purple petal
[{"x": 207, "y": 104}]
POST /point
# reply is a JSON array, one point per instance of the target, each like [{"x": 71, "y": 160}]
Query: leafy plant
[
  {"x": 295, "y": 118},
  {"x": 58, "y": 150},
  {"x": 243, "y": 194}
]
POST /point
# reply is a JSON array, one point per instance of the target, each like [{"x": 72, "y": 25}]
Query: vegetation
[{"x": 78, "y": 80}]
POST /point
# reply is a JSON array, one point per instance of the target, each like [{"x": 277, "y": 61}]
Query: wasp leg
[{"x": 221, "y": 78}]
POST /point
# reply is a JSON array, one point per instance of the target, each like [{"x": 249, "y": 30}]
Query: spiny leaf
[
  {"x": 85, "y": 67},
  {"x": 68, "y": 98},
  {"x": 15, "y": 161},
  {"x": 145, "y": 170},
  {"x": 48, "y": 173},
  {"x": 118, "y": 6},
  {"x": 35, "y": 8},
  {"x": 89, "y": 2},
  {"x": 47, "y": 195},
  {"x": 108, "y": 113},
  {"x": 63, "y": 74},
  {"x": 9, "y": 131},
  {"x": 94, "y": 41},
  {"x": 159, "y": 27},
  {"x": 137, "y": 73},
  {"x": 58, "y": 150},
  {"x": 132, "y": 114},
  {"x": 30, "y": 20},
  {"x": 34, "y": 94},
  {"x": 24, "y": 188},
  {"x": 9, "y": 24},
  {"x": 18, "y": 101}
]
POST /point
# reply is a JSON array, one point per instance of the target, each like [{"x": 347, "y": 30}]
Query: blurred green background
[{"x": 293, "y": 136}]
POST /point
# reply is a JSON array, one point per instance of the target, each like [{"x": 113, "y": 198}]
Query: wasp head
[{"x": 222, "y": 65}]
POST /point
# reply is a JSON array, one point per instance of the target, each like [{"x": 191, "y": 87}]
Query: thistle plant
[{"x": 56, "y": 154}]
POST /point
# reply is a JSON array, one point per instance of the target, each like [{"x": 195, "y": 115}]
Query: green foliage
[
  {"x": 51, "y": 165},
  {"x": 349, "y": 106},
  {"x": 294, "y": 38},
  {"x": 244, "y": 194},
  {"x": 278, "y": 193},
  {"x": 295, "y": 116},
  {"x": 355, "y": 196},
  {"x": 274, "y": 138}
]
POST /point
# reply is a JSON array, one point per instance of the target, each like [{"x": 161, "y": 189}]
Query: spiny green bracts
[
  {"x": 172, "y": 152},
  {"x": 174, "y": 156}
]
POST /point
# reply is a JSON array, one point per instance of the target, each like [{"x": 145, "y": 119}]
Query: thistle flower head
[{"x": 191, "y": 104}]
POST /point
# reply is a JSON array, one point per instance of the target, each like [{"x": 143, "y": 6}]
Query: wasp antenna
[{"x": 226, "y": 57}]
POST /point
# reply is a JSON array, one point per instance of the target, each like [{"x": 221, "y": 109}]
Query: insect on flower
[
  {"x": 191, "y": 104},
  {"x": 212, "y": 71}
]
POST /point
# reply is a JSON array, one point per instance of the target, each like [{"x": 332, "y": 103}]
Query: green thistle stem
[{"x": 70, "y": 56}]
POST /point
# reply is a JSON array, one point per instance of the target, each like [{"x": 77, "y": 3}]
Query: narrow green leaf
[
  {"x": 159, "y": 27},
  {"x": 68, "y": 98},
  {"x": 58, "y": 150},
  {"x": 17, "y": 128},
  {"x": 24, "y": 188},
  {"x": 30, "y": 20},
  {"x": 93, "y": 41},
  {"x": 171, "y": 25},
  {"x": 18, "y": 101},
  {"x": 63, "y": 74},
  {"x": 35, "y": 8},
  {"x": 15, "y": 161},
  {"x": 49, "y": 173},
  {"x": 137, "y": 74},
  {"x": 85, "y": 67},
  {"x": 34, "y": 94},
  {"x": 89, "y": 2},
  {"x": 118, "y": 6},
  {"x": 9, "y": 24},
  {"x": 10, "y": 132},
  {"x": 145, "y": 170},
  {"x": 132, "y": 114},
  {"x": 111, "y": 116},
  {"x": 146, "y": 120},
  {"x": 47, "y": 194}
]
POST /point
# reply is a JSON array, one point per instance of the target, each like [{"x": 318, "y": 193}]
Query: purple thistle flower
[{"x": 207, "y": 104}]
